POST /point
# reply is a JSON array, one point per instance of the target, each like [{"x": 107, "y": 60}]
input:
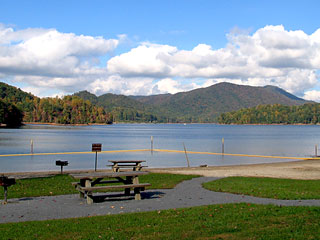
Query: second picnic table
[{"x": 136, "y": 165}]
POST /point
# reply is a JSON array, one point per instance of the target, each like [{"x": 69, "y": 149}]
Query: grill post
[{"x": 62, "y": 164}]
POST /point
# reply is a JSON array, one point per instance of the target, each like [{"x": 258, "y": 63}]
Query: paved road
[{"x": 186, "y": 194}]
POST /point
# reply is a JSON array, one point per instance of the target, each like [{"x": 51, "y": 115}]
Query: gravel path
[{"x": 186, "y": 194}]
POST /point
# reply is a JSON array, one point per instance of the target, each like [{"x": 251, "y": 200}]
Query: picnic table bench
[
  {"x": 135, "y": 165},
  {"x": 129, "y": 180}
]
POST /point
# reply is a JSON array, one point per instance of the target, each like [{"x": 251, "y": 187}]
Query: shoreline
[
  {"x": 60, "y": 124},
  {"x": 307, "y": 170},
  {"x": 213, "y": 123}
]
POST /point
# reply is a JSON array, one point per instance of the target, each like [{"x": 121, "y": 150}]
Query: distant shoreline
[
  {"x": 60, "y": 124},
  {"x": 105, "y": 124}
]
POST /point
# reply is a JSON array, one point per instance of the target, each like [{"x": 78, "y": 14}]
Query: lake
[{"x": 275, "y": 140}]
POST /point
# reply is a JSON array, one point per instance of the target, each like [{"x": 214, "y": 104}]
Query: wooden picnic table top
[
  {"x": 126, "y": 161},
  {"x": 108, "y": 174}
]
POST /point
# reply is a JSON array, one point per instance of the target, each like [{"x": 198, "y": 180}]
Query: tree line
[
  {"x": 68, "y": 110},
  {"x": 17, "y": 106},
  {"x": 274, "y": 114},
  {"x": 10, "y": 115}
]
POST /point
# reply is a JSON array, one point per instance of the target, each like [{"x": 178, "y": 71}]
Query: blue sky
[
  {"x": 180, "y": 23},
  {"x": 158, "y": 46}
]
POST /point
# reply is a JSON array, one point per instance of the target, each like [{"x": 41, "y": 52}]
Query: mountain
[
  {"x": 199, "y": 105},
  {"x": 122, "y": 108},
  {"x": 283, "y": 92},
  {"x": 87, "y": 96},
  {"x": 206, "y": 104}
]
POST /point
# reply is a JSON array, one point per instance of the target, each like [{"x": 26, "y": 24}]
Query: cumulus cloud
[
  {"x": 49, "y": 52},
  {"x": 271, "y": 55},
  {"x": 47, "y": 58},
  {"x": 312, "y": 95},
  {"x": 145, "y": 60},
  {"x": 119, "y": 85}
]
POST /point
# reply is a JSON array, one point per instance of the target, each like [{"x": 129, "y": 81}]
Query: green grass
[
  {"x": 267, "y": 187},
  {"x": 229, "y": 221},
  {"x": 61, "y": 184}
]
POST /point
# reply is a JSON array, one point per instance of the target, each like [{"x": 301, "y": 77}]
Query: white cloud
[
  {"x": 49, "y": 59},
  {"x": 168, "y": 85},
  {"x": 119, "y": 85},
  {"x": 47, "y": 53},
  {"x": 271, "y": 55},
  {"x": 145, "y": 60},
  {"x": 313, "y": 95}
]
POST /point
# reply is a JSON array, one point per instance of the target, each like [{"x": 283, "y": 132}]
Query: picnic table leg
[
  {"x": 137, "y": 195},
  {"x": 89, "y": 194},
  {"x": 138, "y": 167},
  {"x": 82, "y": 184},
  {"x": 127, "y": 190},
  {"x": 115, "y": 168}
]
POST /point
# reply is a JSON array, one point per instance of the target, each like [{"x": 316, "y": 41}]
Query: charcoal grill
[
  {"x": 6, "y": 182},
  {"x": 62, "y": 164}
]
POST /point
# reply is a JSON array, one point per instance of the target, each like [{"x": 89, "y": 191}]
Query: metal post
[
  {"x": 95, "y": 166},
  {"x": 151, "y": 144},
  {"x": 316, "y": 150},
  {"x": 31, "y": 146},
  {"x": 185, "y": 151},
  {"x": 222, "y": 146},
  {"x": 96, "y": 147}
]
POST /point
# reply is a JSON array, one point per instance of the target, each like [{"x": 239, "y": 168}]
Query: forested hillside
[
  {"x": 122, "y": 108},
  {"x": 206, "y": 104},
  {"x": 199, "y": 105},
  {"x": 274, "y": 114},
  {"x": 10, "y": 115},
  {"x": 202, "y": 105},
  {"x": 68, "y": 110}
]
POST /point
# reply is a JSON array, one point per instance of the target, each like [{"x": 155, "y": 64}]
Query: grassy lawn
[
  {"x": 229, "y": 221},
  {"x": 61, "y": 184},
  {"x": 267, "y": 187}
]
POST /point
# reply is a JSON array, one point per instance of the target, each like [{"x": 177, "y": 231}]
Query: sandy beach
[{"x": 307, "y": 169}]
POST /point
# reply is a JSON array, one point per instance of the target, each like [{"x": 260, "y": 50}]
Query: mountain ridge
[{"x": 202, "y": 104}]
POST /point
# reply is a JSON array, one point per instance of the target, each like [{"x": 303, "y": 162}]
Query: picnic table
[
  {"x": 135, "y": 165},
  {"x": 129, "y": 180}
]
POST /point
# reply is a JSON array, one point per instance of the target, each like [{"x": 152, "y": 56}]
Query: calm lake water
[{"x": 293, "y": 141}]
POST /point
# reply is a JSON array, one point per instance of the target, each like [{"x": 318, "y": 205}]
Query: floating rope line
[
  {"x": 66, "y": 153},
  {"x": 233, "y": 154},
  {"x": 159, "y": 150}
]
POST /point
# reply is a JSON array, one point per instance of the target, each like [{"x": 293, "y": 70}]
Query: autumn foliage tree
[{"x": 274, "y": 114}]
